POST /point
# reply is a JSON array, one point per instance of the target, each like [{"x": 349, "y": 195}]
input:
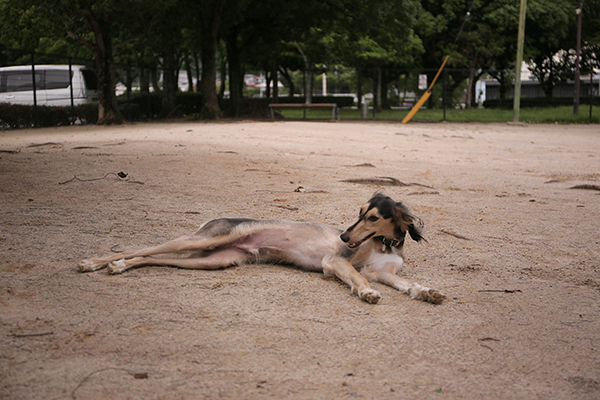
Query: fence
[{"x": 140, "y": 88}]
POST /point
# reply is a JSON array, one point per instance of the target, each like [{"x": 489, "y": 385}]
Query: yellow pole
[
  {"x": 426, "y": 95},
  {"x": 520, "y": 43}
]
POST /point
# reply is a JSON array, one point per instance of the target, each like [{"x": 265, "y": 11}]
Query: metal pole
[
  {"x": 577, "y": 61},
  {"x": 305, "y": 95},
  {"x": 71, "y": 90},
  {"x": 35, "y": 108},
  {"x": 520, "y": 40},
  {"x": 445, "y": 84},
  {"x": 129, "y": 91},
  {"x": 591, "y": 91},
  {"x": 374, "y": 92}
]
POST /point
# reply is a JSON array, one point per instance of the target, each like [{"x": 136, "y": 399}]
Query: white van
[{"x": 52, "y": 85}]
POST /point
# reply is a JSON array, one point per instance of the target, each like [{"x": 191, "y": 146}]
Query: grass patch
[{"x": 563, "y": 114}]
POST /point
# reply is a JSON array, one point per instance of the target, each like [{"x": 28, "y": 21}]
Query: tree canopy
[{"x": 228, "y": 37}]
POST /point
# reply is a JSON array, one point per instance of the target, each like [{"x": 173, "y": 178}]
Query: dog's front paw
[
  {"x": 433, "y": 296},
  {"x": 89, "y": 266},
  {"x": 369, "y": 295}
]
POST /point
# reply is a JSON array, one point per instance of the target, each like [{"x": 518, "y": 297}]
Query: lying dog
[{"x": 369, "y": 250}]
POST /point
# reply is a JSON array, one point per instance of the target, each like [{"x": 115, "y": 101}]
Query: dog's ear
[
  {"x": 415, "y": 233},
  {"x": 405, "y": 221}
]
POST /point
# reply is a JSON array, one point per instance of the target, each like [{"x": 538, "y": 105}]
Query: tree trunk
[
  {"x": 188, "y": 71},
  {"x": 309, "y": 86},
  {"x": 359, "y": 92},
  {"x": 236, "y": 74},
  {"x": 377, "y": 89},
  {"x": 503, "y": 85},
  {"x": 198, "y": 73},
  {"x": 289, "y": 79},
  {"x": 308, "y": 82},
  {"x": 210, "y": 103},
  {"x": 211, "y": 18},
  {"x": 108, "y": 110},
  {"x": 154, "y": 79},
  {"x": 144, "y": 80},
  {"x": 385, "y": 101},
  {"x": 169, "y": 83},
  {"x": 223, "y": 71},
  {"x": 274, "y": 81}
]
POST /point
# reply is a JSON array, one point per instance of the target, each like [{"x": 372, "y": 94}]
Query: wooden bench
[{"x": 335, "y": 112}]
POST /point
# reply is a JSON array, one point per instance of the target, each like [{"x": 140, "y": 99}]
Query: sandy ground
[{"x": 515, "y": 249}]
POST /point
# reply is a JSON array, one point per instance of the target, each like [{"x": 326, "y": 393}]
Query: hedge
[
  {"x": 149, "y": 105},
  {"x": 14, "y": 116},
  {"x": 141, "y": 106}
]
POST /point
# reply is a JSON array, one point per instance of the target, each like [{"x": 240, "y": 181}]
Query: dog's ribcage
[{"x": 304, "y": 244}]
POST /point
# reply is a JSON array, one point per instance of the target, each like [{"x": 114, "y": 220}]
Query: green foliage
[{"x": 297, "y": 35}]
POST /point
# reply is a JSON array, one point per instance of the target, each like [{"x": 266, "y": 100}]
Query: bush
[
  {"x": 142, "y": 106},
  {"x": 17, "y": 116},
  {"x": 188, "y": 103},
  {"x": 86, "y": 113}
]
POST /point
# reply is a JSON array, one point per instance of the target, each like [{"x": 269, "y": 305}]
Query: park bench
[{"x": 335, "y": 113}]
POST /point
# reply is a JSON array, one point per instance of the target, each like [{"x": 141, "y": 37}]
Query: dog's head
[{"x": 382, "y": 216}]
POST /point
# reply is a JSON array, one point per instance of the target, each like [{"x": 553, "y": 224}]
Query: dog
[{"x": 369, "y": 250}]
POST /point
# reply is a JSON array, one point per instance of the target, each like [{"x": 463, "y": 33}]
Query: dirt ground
[{"x": 512, "y": 245}]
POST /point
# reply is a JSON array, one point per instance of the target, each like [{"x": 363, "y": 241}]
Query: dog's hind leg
[
  {"x": 174, "y": 246},
  {"x": 217, "y": 259}
]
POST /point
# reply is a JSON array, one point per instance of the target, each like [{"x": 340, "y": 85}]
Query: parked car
[{"x": 52, "y": 85}]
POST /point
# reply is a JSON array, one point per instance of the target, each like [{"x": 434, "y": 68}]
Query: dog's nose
[{"x": 345, "y": 237}]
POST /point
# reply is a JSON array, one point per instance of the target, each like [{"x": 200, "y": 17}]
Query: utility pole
[
  {"x": 577, "y": 61},
  {"x": 520, "y": 40}
]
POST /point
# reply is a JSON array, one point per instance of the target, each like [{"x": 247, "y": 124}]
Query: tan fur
[{"x": 313, "y": 246}]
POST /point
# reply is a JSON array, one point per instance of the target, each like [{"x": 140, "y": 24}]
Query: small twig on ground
[
  {"x": 135, "y": 375},
  {"x": 384, "y": 181},
  {"x": 290, "y": 208},
  {"x": 45, "y": 144},
  {"x": 121, "y": 175},
  {"x": 586, "y": 186},
  {"x": 456, "y": 235},
  {"x": 424, "y": 192},
  {"x": 487, "y": 347},
  {"x": 367, "y": 165},
  {"x": 23, "y": 335},
  {"x": 501, "y": 290}
]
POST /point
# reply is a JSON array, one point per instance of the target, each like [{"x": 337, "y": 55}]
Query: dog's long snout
[{"x": 346, "y": 235}]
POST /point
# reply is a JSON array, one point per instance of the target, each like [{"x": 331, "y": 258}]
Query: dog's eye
[{"x": 373, "y": 218}]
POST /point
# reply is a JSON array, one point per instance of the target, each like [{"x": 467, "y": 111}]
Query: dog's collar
[{"x": 388, "y": 243}]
